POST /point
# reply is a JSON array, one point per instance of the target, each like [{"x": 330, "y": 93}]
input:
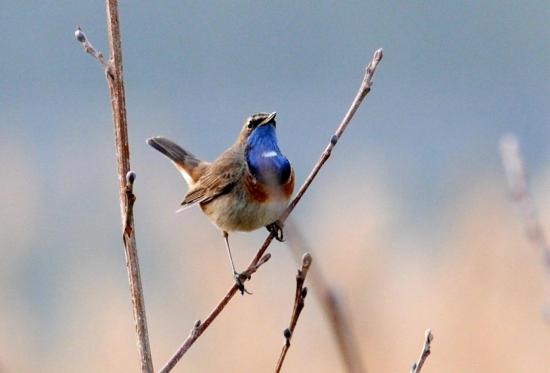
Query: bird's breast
[
  {"x": 259, "y": 191},
  {"x": 250, "y": 205},
  {"x": 269, "y": 167}
]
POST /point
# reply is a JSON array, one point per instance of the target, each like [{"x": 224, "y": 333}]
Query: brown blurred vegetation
[{"x": 479, "y": 287}]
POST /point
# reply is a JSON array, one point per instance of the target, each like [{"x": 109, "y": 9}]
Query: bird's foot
[
  {"x": 240, "y": 278},
  {"x": 276, "y": 229}
]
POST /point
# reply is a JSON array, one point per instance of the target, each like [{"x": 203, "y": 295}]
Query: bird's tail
[{"x": 189, "y": 165}]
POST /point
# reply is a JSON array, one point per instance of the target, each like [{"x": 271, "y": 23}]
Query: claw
[
  {"x": 240, "y": 278},
  {"x": 276, "y": 228}
]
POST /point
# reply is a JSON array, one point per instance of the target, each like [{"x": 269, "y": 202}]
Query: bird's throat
[{"x": 265, "y": 160}]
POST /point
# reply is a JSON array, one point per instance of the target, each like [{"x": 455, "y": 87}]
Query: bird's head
[{"x": 255, "y": 122}]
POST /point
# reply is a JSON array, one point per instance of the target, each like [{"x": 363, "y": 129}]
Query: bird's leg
[
  {"x": 276, "y": 228},
  {"x": 239, "y": 277}
]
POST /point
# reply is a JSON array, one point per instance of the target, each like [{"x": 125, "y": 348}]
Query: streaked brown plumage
[{"x": 248, "y": 186}]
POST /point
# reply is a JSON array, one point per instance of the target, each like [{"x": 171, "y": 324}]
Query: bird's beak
[{"x": 268, "y": 119}]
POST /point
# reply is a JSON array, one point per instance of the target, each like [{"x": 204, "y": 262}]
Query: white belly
[{"x": 235, "y": 214}]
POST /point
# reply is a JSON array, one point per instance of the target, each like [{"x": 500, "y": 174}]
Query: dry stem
[
  {"x": 89, "y": 48},
  {"x": 428, "y": 338},
  {"x": 113, "y": 72},
  {"x": 299, "y": 298},
  {"x": 519, "y": 190},
  {"x": 332, "y": 305},
  {"x": 517, "y": 182},
  {"x": 364, "y": 89}
]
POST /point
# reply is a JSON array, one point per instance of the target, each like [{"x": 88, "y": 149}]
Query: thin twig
[
  {"x": 200, "y": 327},
  {"x": 331, "y": 303},
  {"x": 365, "y": 88},
  {"x": 519, "y": 190},
  {"x": 517, "y": 182},
  {"x": 114, "y": 75},
  {"x": 299, "y": 297},
  {"x": 88, "y": 47},
  {"x": 426, "y": 349}
]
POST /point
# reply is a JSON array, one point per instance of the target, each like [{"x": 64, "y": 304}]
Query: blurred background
[{"x": 410, "y": 218}]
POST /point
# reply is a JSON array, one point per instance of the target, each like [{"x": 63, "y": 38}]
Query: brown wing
[{"x": 220, "y": 178}]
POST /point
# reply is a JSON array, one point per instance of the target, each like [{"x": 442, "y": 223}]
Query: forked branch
[
  {"x": 364, "y": 89},
  {"x": 88, "y": 47},
  {"x": 115, "y": 81}
]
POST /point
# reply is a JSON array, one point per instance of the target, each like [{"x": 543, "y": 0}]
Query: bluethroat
[{"x": 247, "y": 187}]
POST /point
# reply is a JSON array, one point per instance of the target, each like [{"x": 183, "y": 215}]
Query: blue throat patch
[{"x": 265, "y": 160}]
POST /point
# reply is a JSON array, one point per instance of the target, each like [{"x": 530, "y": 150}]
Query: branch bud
[
  {"x": 306, "y": 260},
  {"x": 130, "y": 178},
  {"x": 287, "y": 333},
  {"x": 80, "y": 35}
]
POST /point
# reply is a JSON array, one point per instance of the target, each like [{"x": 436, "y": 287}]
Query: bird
[{"x": 247, "y": 187}]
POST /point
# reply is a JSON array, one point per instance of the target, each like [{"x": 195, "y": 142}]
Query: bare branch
[
  {"x": 517, "y": 182},
  {"x": 299, "y": 297},
  {"x": 428, "y": 338},
  {"x": 88, "y": 47},
  {"x": 332, "y": 305},
  {"x": 200, "y": 327},
  {"x": 365, "y": 88},
  {"x": 519, "y": 190},
  {"x": 115, "y": 81}
]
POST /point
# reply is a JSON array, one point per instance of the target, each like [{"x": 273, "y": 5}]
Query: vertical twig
[
  {"x": 299, "y": 297},
  {"x": 118, "y": 103},
  {"x": 426, "y": 349},
  {"x": 114, "y": 75},
  {"x": 517, "y": 183},
  {"x": 364, "y": 89},
  {"x": 331, "y": 304}
]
